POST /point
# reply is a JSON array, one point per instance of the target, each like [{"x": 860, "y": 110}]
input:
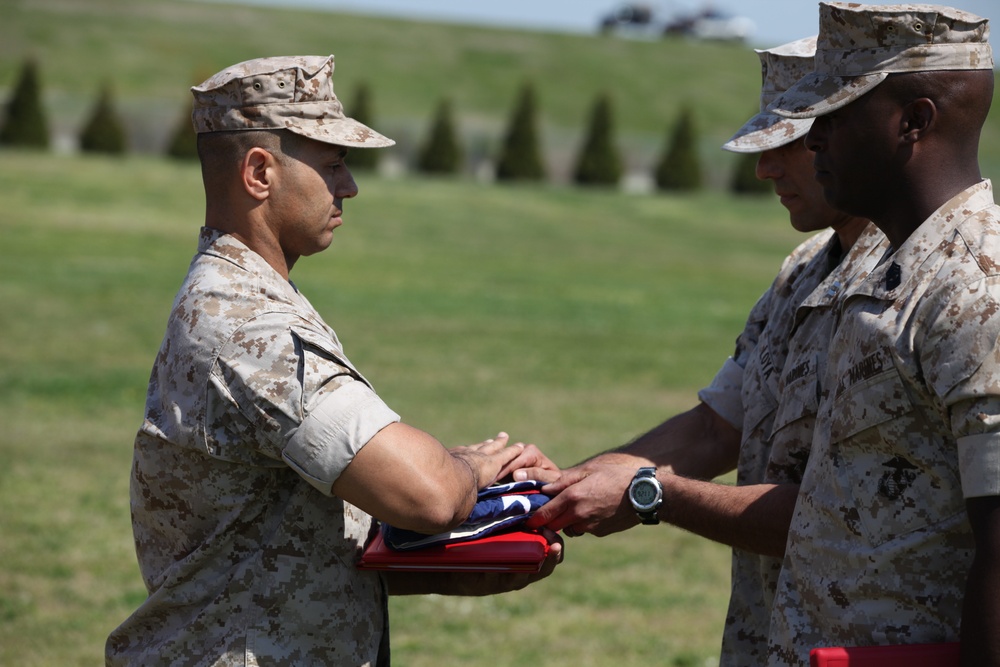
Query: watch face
[{"x": 644, "y": 493}]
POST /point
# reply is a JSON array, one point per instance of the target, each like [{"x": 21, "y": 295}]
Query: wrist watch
[{"x": 646, "y": 495}]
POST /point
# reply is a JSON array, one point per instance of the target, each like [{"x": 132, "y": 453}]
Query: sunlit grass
[{"x": 571, "y": 319}]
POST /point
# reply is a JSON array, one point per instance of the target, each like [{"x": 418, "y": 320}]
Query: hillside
[{"x": 151, "y": 52}]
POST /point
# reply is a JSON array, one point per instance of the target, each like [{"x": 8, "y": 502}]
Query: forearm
[
  {"x": 753, "y": 518},
  {"x": 980, "y": 617},
  {"x": 405, "y": 477},
  {"x": 698, "y": 444},
  {"x": 981, "y": 611}
]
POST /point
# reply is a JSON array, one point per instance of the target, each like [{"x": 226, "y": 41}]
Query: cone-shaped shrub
[
  {"x": 183, "y": 143},
  {"x": 441, "y": 154},
  {"x": 679, "y": 167},
  {"x": 520, "y": 156},
  {"x": 599, "y": 162},
  {"x": 365, "y": 159},
  {"x": 24, "y": 124},
  {"x": 103, "y": 132}
]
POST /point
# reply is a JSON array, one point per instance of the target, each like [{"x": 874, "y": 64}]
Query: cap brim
[
  {"x": 818, "y": 94},
  {"x": 766, "y": 131},
  {"x": 342, "y": 132}
]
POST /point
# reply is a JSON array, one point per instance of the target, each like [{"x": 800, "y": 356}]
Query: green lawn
[{"x": 569, "y": 318}]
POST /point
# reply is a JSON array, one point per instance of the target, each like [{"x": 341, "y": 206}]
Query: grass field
[{"x": 571, "y": 319}]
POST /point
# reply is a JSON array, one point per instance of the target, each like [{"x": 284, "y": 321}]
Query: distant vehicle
[
  {"x": 632, "y": 19},
  {"x": 711, "y": 24},
  {"x": 640, "y": 20}
]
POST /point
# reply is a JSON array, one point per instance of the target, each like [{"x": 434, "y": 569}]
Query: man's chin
[{"x": 805, "y": 223}]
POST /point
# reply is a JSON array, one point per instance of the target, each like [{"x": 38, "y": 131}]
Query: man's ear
[
  {"x": 257, "y": 172},
  {"x": 917, "y": 119}
]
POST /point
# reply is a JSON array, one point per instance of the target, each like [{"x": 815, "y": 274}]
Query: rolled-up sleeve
[
  {"x": 979, "y": 463},
  {"x": 302, "y": 400},
  {"x": 334, "y": 431},
  {"x": 724, "y": 394}
]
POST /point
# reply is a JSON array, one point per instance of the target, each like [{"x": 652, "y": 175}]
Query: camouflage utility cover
[
  {"x": 779, "y": 393},
  {"x": 780, "y": 67},
  {"x": 292, "y": 93},
  {"x": 880, "y": 545},
  {"x": 860, "y": 45},
  {"x": 252, "y": 413}
]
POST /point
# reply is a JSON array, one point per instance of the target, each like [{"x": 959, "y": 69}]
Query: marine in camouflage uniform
[
  {"x": 252, "y": 409},
  {"x": 880, "y": 546},
  {"x": 767, "y": 397},
  {"x": 258, "y": 428},
  {"x": 780, "y": 389},
  {"x": 782, "y": 364}
]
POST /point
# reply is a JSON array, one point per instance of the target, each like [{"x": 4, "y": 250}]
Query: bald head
[
  {"x": 943, "y": 112},
  {"x": 961, "y": 98}
]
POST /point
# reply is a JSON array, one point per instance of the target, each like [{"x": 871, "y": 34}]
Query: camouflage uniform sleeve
[
  {"x": 724, "y": 393},
  {"x": 965, "y": 356},
  {"x": 301, "y": 401}
]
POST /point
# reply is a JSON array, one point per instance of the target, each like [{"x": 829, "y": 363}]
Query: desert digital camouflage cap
[
  {"x": 293, "y": 93},
  {"x": 780, "y": 67},
  {"x": 860, "y": 45}
]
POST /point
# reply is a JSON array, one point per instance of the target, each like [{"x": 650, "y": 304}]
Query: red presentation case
[{"x": 519, "y": 551}]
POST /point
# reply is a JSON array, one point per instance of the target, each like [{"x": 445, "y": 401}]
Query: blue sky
[{"x": 775, "y": 21}]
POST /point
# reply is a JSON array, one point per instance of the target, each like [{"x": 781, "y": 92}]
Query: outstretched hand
[
  {"x": 588, "y": 499},
  {"x": 494, "y": 460},
  {"x": 531, "y": 463},
  {"x": 487, "y": 459}
]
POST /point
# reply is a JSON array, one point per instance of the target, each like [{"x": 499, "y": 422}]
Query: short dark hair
[
  {"x": 222, "y": 151},
  {"x": 968, "y": 92}
]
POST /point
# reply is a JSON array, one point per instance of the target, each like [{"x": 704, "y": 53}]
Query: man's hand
[
  {"x": 527, "y": 462},
  {"x": 531, "y": 463},
  {"x": 488, "y": 459},
  {"x": 589, "y": 498}
]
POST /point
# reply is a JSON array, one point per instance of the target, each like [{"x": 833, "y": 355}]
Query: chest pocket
[
  {"x": 899, "y": 471},
  {"x": 799, "y": 399},
  {"x": 759, "y": 406},
  {"x": 760, "y": 385},
  {"x": 792, "y": 432}
]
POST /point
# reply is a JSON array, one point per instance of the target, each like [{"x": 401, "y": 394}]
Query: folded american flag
[{"x": 498, "y": 507}]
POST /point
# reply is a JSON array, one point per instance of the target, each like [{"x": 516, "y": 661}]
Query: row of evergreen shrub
[
  {"x": 25, "y": 124},
  {"x": 598, "y": 163}
]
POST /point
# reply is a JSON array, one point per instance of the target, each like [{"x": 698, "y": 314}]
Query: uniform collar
[
  {"x": 898, "y": 270},
  {"x": 853, "y": 267},
  {"x": 225, "y": 246}
]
